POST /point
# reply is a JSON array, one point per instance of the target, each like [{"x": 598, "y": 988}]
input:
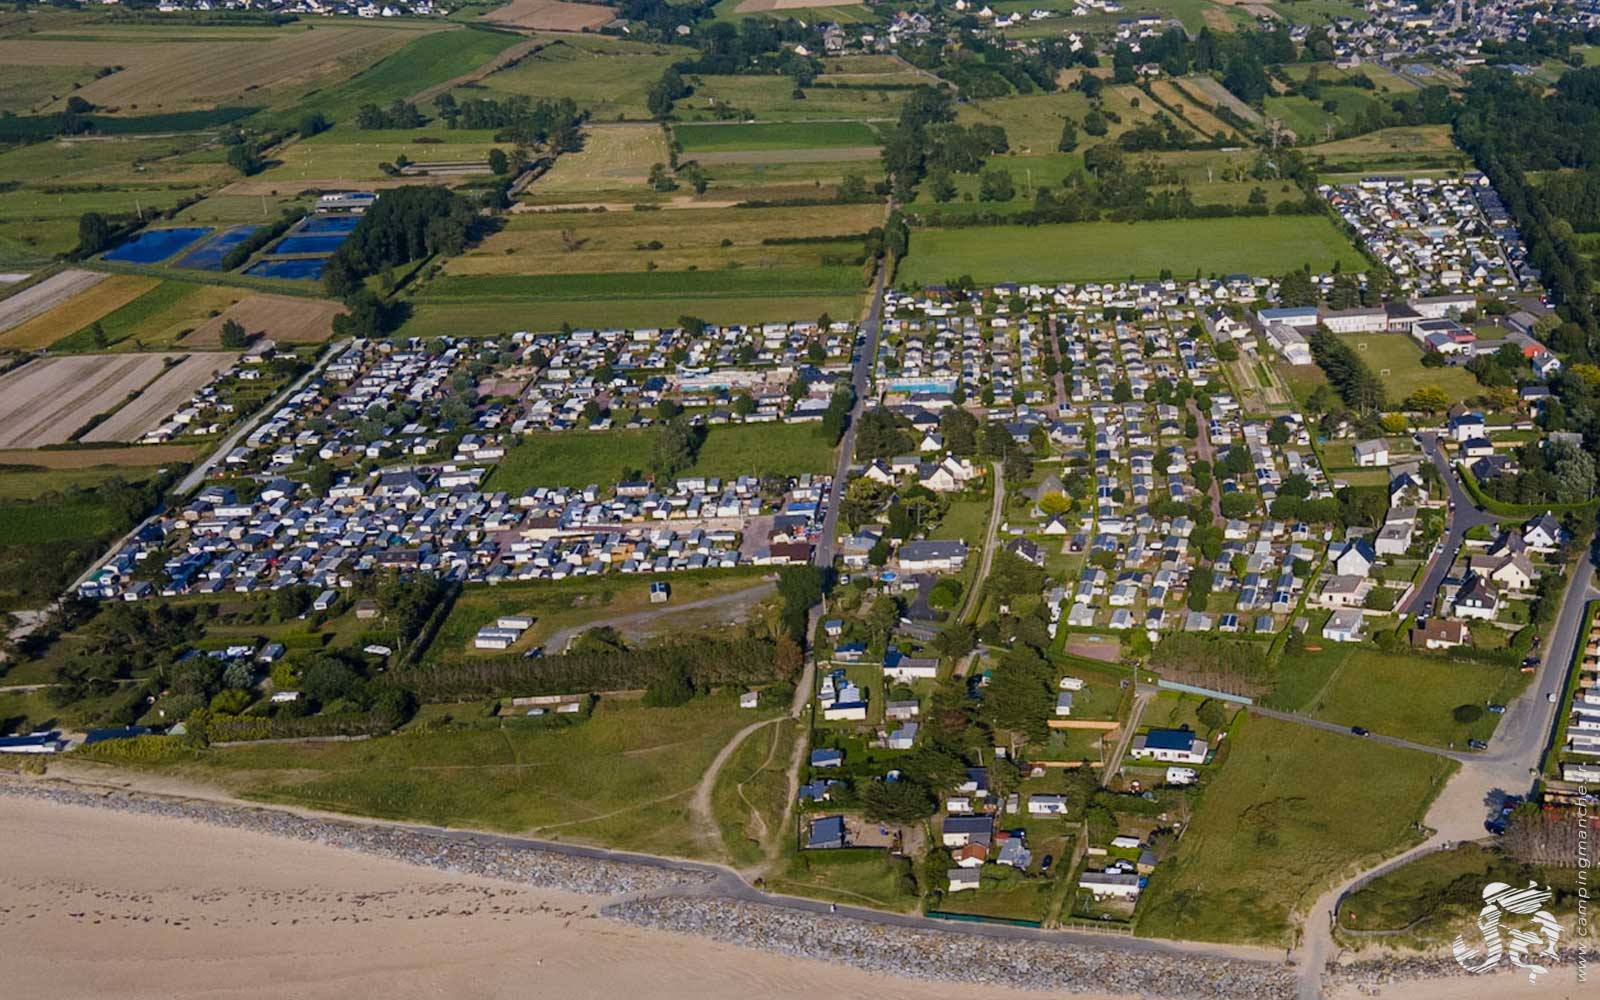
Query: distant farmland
[{"x": 1086, "y": 251}]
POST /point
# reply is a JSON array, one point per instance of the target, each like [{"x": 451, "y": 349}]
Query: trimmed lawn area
[
  {"x": 1397, "y": 359},
  {"x": 622, "y": 777},
  {"x": 497, "y": 318},
  {"x": 1091, "y": 250},
  {"x": 579, "y": 458},
  {"x": 1412, "y": 697},
  {"x": 713, "y": 138},
  {"x": 1291, "y": 810}
]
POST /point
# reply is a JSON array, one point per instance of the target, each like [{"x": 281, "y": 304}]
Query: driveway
[{"x": 1463, "y": 518}]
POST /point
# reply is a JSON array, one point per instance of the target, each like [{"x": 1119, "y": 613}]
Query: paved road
[
  {"x": 1463, "y": 518},
  {"x": 860, "y": 378},
  {"x": 973, "y": 601},
  {"x": 1209, "y": 455}
]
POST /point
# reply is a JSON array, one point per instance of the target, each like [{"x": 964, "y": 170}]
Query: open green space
[
  {"x": 622, "y": 777},
  {"x": 1292, "y": 810},
  {"x": 31, "y": 483},
  {"x": 856, "y": 876},
  {"x": 752, "y": 792},
  {"x": 607, "y": 76},
  {"x": 497, "y": 318},
  {"x": 772, "y": 98},
  {"x": 1091, "y": 250},
  {"x": 1397, "y": 360},
  {"x": 711, "y": 138},
  {"x": 580, "y": 458},
  {"x": 1413, "y": 696}
]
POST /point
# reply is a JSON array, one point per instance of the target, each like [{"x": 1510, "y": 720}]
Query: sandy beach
[{"x": 94, "y": 901}]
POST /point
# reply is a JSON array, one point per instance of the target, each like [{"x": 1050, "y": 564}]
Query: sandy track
[
  {"x": 44, "y": 401},
  {"x": 35, "y": 301},
  {"x": 160, "y": 400}
]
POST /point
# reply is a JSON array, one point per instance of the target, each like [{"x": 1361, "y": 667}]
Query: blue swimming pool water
[
  {"x": 208, "y": 255},
  {"x": 305, "y": 269},
  {"x": 309, "y": 244},
  {"x": 327, "y": 224},
  {"x": 155, "y": 245},
  {"x": 920, "y": 385}
]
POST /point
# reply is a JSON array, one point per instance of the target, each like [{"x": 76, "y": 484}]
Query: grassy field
[
  {"x": 857, "y": 876},
  {"x": 707, "y": 240},
  {"x": 1398, "y": 361},
  {"x": 772, "y": 98},
  {"x": 622, "y": 777},
  {"x": 579, "y": 458},
  {"x": 25, "y": 89},
  {"x": 1409, "y": 148},
  {"x": 752, "y": 792},
  {"x": 65, "y": 519},
  {"x": 614, "y": 165},
  {"x": 1412, "y": 696},
  {"x": 495, "y": 318},
  {"x": 709, "y": 138},
  {"x": 350, "y": 154},
  {"x": 1291, "y": 810},
  {"x": 607, "y": 76},
  {"x": 1090, "y": 250},
  {"x": 156, "y": 319},
  {"x": 1033, "y": 121},
  {"x": 30, "y": 483}
]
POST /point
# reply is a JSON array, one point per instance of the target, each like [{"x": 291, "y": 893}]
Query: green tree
[
  {"x": 233, "y": 335},
  {"x": 499, "y": 163}
]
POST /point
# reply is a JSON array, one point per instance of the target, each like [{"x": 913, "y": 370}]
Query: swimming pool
[
  {"x": 305, "y": 269},
  {"x": 921, "y": 385},
  {"x": 208, "y": 255},
  {"x": 309, "y": 244},
  {"x": 155, "y": 245}
]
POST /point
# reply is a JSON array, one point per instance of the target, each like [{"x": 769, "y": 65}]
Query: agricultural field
[
  {"x": 613, "y": 166},
  {"x": 740, "y": 136},
  {"x": 26, "y": 303},
  {"x": 29, "y": 482},
  {"x": 158, "y": 318},
  {"x": 1033, "y": 121},
  {"x": 622, "y": 777},
  {"x": 1189, "y": 111},
  {"x": 607, "y": 76},
  {"x": 580, "y": 458},
  {"x": 551, "y": 15},
  {"x": 808, "y": 11},
  {"x": 705, "y": 239},
  {"x": 236, "y": 65},
  {"x": 280, "y": 318},
  {"x": 495, "y": 318},
  {"x": 342, "y": 156},
  {"x": 1421, "y": 147},
  {"x": 73, "y": 460},
  {"x": 46, "y": 401},
  {"x": 1275, "y": 828},
  {"x": 158, "y": 401},
  {"x": 1091, "y": 250},
  {"x": 30, "y": 89},
  {"x": 771, "y": 98},
  {"x": 74, "y": 313}
]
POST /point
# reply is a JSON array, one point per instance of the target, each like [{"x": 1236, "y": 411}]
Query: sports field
[
  {"x": 1397, "y": 359},
  {"x": 1108, "y": 250},
  {"x": 1291, "y": 810}
]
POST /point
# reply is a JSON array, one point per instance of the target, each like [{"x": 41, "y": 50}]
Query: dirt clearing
[
  {"x": 31, "y": 302},
  {"x": 162, "y": 399},
  {"x": 283, "y": 318},
  {"x": 67, "y": 316},
  {"x": 551, "y": 15},
  {"x": 45, "y": 401}
]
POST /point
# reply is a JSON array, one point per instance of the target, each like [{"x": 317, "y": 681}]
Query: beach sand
[{"x": 96, "y": 902}]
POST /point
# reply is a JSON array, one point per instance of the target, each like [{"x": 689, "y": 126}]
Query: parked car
[
  {"x": 1477, "y": 744},
  {"x": 1360, "y": 731},
  {"x": 1498, "y": 709}
]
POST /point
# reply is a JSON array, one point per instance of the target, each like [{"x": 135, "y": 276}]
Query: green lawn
[
  {"x": 490, "y": 318},
  {"x": 1412, "y": 696},
  {"x": 30, "y": 483},
  {"x": 1091, "y": 250},
  {"x": 1397, "y": 360},
  {"x": 715, "y": 138},
  {"x": 579, "y": 458},
  {"x": 622, "y": 777},
  {"x": 856, "y": 876},
  {"x": 61, "y": 519},
  {"x": 1291, "y": 810}
]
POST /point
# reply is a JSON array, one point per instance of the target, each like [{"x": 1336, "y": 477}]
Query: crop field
[
  {"x": 75, "y": 459},
  {"x": 40, "y": 298},
  {"x": 30, "y": 482},
  {"x": 1191, "y": 112},
  {"x": 27, "y": 89},
  {"x": 281, "y": 318},
  {"x": 1409, "y": 148},
  {"x": 614, "y": 164},
  {"x": 1106, "y": 250},
  {"x": 72, "y": 314},
  {"x": 45, "y": 401},
  {"x": 161, "y": 398},
  {"x": 622, "y": 778},
  {"x": 157, "y": 318},
  {"x": 707, "y": 239},
  {"x": 770, "y": 98},
  {"x": 605, "y": 75},
  {"x": 346, "y": 154},
  {"x": 580, "y": 458},
  {"x": 1276, "y": 827},
  {"x": 710, "y": 138},
  {"x": 1209, "y": 92},
  {"x": 238, "y": 65},
  {"x": 551, "y": 15}
]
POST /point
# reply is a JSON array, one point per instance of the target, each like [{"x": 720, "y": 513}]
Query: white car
[{"x": 1551, "y": 698}]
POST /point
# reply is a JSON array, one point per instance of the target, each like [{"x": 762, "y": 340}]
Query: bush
[{"x": 1467, "y": 714}]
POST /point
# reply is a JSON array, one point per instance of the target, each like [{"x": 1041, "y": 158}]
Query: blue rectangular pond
[
  {"x": 317, "y": 224},
  {"x": 208, "y": 255},
  {"x": 303, "y": 269},
  {"x": 317, "y": 243},
  {"x": 155, "y": 245}
]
